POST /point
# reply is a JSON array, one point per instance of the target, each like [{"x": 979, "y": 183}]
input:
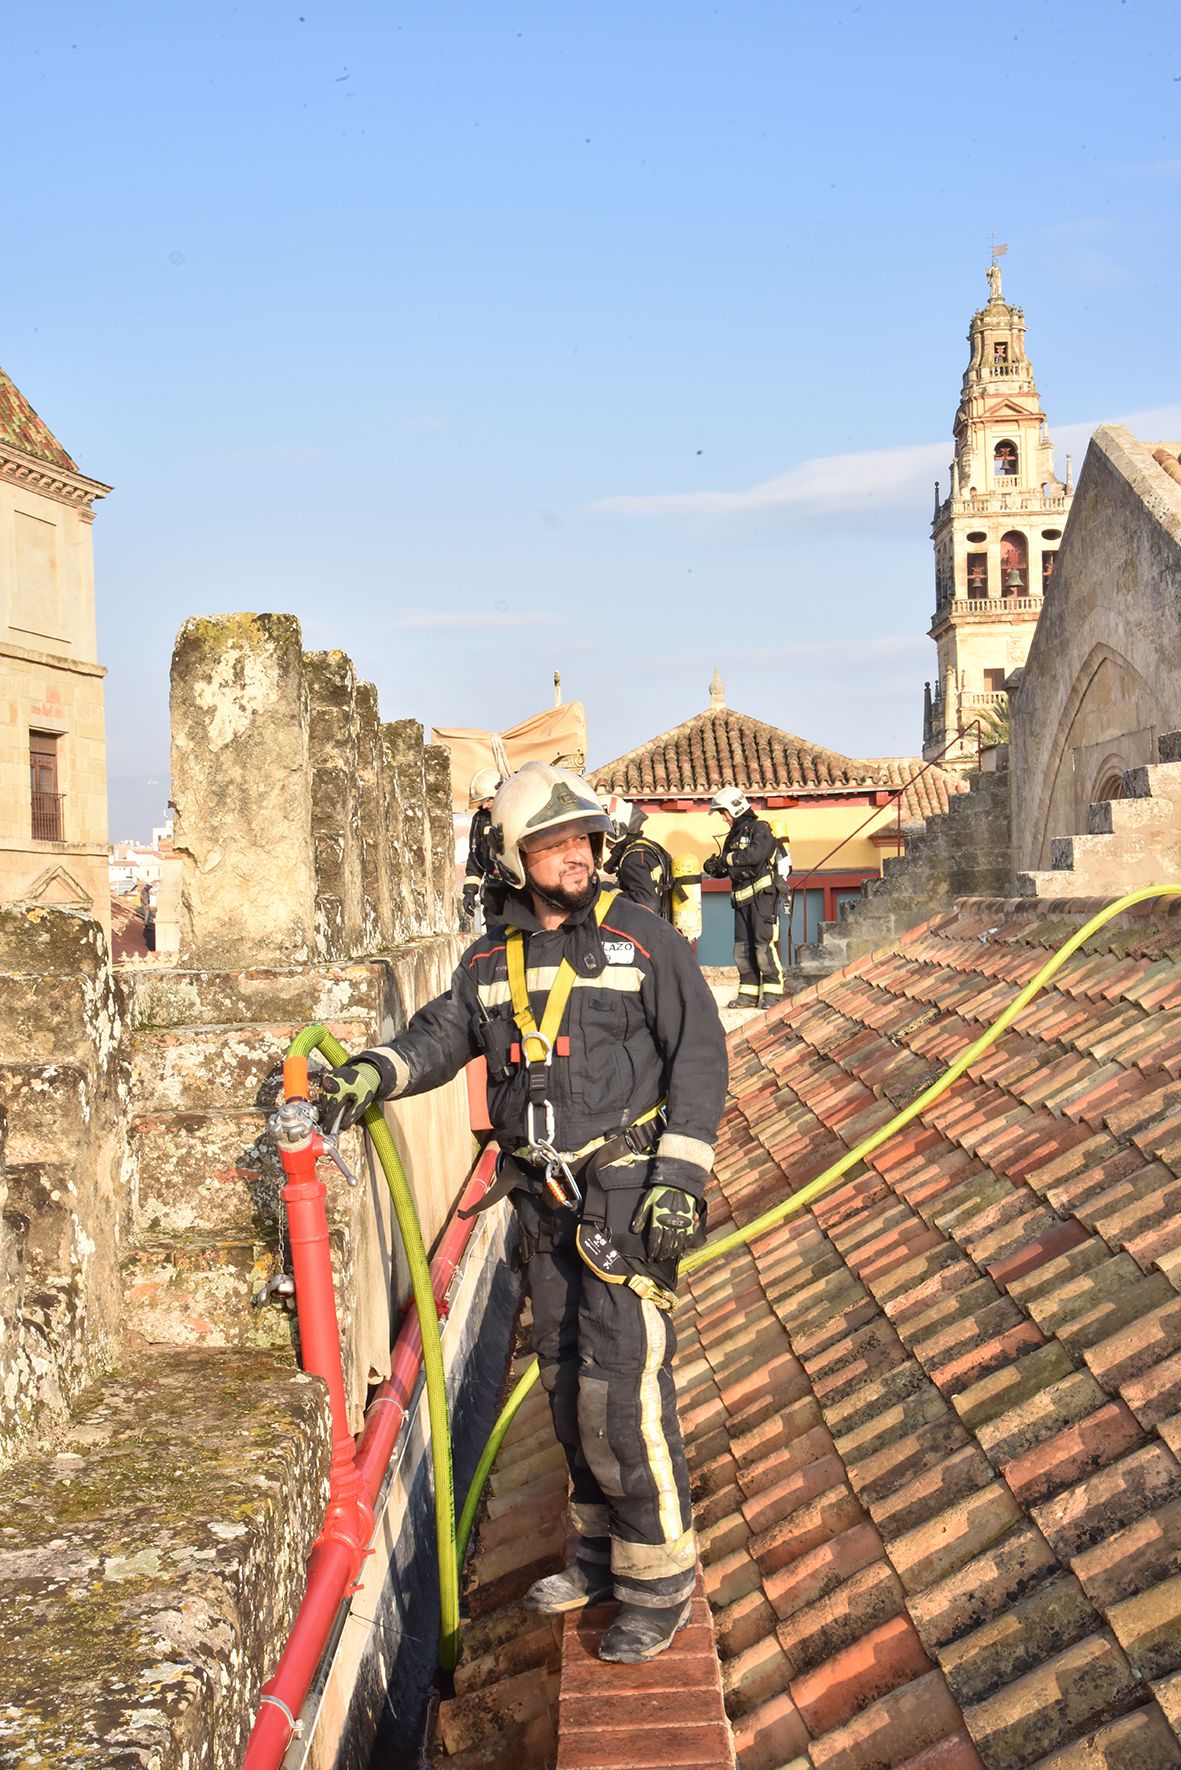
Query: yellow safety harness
[{"x": 538, "y": 1045}]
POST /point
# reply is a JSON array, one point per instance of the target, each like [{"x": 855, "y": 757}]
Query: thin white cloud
[
  {"x": 1157, "y": 424},
  {"x": 878, "y": 651},
  {"x": 874, "y": 481},
  {"x": 424, "y": 620}
]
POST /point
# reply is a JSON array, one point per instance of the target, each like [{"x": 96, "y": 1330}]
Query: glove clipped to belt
[
  {"x": 345, "y": 1093},
  {"x": 670, "y": 1216}
]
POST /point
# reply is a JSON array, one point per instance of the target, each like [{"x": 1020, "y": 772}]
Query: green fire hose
[{"x": 318, "y": 1038}]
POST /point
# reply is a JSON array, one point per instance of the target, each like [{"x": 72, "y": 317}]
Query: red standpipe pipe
[{"x": 332, "y": 1564}]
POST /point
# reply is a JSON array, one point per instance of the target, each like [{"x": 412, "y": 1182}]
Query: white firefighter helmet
[
  {"x": 731, "y": 800},
  {"x": 484, "y": 785},
  {"x": 619, "y": 813},
  {"x": 536, "y": 801}
]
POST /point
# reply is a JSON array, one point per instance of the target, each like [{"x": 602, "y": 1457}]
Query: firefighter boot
[
  {"x": 638, "y": 1633},
  {"x": 586, "y": 1580}
]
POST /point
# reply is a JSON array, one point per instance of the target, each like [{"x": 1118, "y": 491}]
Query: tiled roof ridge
[
  {"x": 721, "y": 745},
  {"x": 720, "y": 715},
  {"x": 22, "y": 429},
  {"x": 934, "y": 1422}
]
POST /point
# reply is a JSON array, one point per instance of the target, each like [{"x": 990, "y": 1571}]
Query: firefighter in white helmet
[
  {"x": 606, "y": 1077},
  {"x": 642, "y": 868},
  {"x": 480, "y": 885},
  {"x": 748, "y": 860}
]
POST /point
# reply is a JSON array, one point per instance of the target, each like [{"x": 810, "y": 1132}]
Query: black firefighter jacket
[
  {"x": 749, "y": 851},
  {"x": 644, "y": 872},
  {"x": 641, "y": 1026},
  {"x": 479, "y": 856}
]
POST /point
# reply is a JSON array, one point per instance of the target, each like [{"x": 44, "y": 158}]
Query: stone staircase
[
  {"x": 965, "y": 853},
  {"x": 206, "y": 1228},
  {"x": 1130, "y": 841}
]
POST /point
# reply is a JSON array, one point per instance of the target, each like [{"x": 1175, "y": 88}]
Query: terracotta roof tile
[
  {"x": 22, "y": 429},
  {"x": 967, "y": 1260},
  {"x": 934, "y": 1424}
]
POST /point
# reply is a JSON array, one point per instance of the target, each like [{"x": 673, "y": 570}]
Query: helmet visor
[{"x": 559, "y": 833}]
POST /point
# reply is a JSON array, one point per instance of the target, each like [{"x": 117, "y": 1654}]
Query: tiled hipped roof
[
  {"x": 723, "y": 748},
  {"x": 22, "y": 429},
  {"x": 934, "y": 1424}
]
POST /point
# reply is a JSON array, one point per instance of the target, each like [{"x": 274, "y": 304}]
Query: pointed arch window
[{"x": 1004, "y": 459}]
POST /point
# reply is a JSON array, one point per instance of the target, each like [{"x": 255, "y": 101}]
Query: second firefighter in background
[
  {"x": 642, "y": 867},
  {"x": 749, "y": 859}
]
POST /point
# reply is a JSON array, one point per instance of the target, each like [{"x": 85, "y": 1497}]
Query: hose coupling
[
  {"x": 279, "y": 1290},
  {"x": 293, "y": 1125}
]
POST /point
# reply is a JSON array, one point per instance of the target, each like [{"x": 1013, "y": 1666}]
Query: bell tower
[{"x": 995, "y": 535}]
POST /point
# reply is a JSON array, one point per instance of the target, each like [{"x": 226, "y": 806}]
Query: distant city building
[
  {"x": 53, "y": 770},
  {"x": 996, "y": 535}
]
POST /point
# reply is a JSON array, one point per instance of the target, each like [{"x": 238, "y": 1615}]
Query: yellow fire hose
[
  {"x": 318, "y": 1038},
  {"x": 799, "y": 1201}
]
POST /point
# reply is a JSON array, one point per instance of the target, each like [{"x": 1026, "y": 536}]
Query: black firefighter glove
[
  {"x": 345, "y": 1093},
  {"x": 714, "y": 867},
  {"x": 670, "y": 1216},
  {"x": 471, "y": 895}
]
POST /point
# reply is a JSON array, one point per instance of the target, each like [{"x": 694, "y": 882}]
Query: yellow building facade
[
  {"x": 996, "y": 536},
  {"x": 53, "y": 773}
]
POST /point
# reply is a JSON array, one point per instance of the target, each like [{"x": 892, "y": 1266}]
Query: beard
[{"x": 559, "y": 898}]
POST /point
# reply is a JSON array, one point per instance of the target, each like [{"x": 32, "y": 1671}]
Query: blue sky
[{"x": 493, "y": 339}]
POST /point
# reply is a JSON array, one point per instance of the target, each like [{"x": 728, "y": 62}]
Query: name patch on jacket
[{"x": 619, "y": 952}]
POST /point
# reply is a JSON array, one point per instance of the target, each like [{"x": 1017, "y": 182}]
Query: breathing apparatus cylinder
[{"x": 687, "y": 896}]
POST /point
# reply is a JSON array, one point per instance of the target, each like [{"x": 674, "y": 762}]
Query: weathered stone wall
[
  {"x": 65, "y": 1184},
  {"x": 241, "y": 783},
  {"x": 141, "y": 1209},
  {"x": 965, "y": 853},
  {"x": 306, "y": 828},
  {"x": 1102, "y": 680},
  {"x": 335, "y": 760},
  {"x": 413, "y": 884}
]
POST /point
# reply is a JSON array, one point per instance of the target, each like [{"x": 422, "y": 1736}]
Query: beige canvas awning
[{"x": 557, "y": 736}]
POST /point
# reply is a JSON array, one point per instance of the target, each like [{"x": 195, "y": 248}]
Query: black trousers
[
  {"x": 756, "y": 947},
  {"x": 606, "y": 1356}
]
